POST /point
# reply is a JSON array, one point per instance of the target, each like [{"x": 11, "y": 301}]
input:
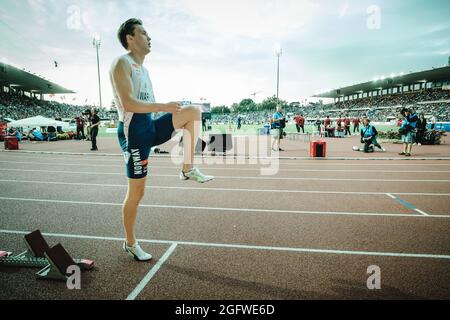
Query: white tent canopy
[{"x": 38, "y": 121}]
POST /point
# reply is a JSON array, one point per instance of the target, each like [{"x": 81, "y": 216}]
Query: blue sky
[{"x": 224, "y": 50}]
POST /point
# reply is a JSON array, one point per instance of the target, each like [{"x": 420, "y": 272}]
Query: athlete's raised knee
[{"x": 194, "y": 112}]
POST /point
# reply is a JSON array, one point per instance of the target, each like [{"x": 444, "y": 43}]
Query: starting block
[
  {"x": 59, "y": 261},
  {"x": 52, "y": 261}
]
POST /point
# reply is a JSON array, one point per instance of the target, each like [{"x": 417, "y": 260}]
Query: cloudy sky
[{"x": 223, "y": 51}]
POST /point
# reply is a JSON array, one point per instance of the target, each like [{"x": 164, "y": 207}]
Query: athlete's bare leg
[
  {"x": 188, "y": 119},
  {"x": 136, "y": 190}
]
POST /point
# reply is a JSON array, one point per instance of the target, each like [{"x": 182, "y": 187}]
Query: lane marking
[
  {"x": 236, "y": 156},
  {"x": 231, "y": 167},
  {"x": 151, "y": 273},
  {"x": 337, "y": 213},
  {"x": 406, "y": 204},
  {"x": 247, "y": 247},
  {"x": 67, "y": 172},
  {"x": 231, "y": 177},
  {"x": 421, "y": 212},
  {"x": 311, "y": 162},
  {"x": 226, "y": 189}
]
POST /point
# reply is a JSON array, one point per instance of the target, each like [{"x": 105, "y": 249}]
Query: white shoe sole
[
  {"x": 184, "y": 178},
  {"x": 135, "y": 257}
]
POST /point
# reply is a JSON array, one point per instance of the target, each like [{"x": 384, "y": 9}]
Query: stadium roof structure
[
  {"x": 11, "y": 76},
  {"x": 433, "y": 75}
]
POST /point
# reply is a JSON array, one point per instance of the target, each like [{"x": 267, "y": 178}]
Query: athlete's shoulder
[
  {"x": 120, "y": 63},
  {"x": 120, "y": 60}
]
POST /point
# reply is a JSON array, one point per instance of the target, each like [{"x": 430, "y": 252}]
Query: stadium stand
[{"x": 15, "y": 106}]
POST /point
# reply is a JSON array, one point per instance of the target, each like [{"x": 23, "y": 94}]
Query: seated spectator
[
  {"x": 328, "y": 129},
  {"x": 51, "y": 133},
  {"x": 16, "y": 133},
  {"x": 36, "y": 135}
]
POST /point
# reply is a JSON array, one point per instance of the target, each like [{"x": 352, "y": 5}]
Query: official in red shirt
[
  {"x": 356, "y": 125},
  {"x": 300, "y": 123},
  {"x": 328, "y": 129},
  {"x": 347, "y": 126},
  {"x": 339, "y": 123}
]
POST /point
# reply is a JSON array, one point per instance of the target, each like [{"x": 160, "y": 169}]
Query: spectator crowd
[
  {"x": 16, "y": 107},
  {"x": 430, "y": 102}
]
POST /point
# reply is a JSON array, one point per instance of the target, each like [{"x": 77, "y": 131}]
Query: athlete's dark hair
[{"x": 127, "y": 28}]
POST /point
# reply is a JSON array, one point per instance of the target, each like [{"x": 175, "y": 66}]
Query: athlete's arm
[{"x": 121, "y": 79}]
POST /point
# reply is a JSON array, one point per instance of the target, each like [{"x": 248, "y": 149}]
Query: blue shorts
[
  {"x": 409, "y": 137},
  {"x": 136, "y": 138}
]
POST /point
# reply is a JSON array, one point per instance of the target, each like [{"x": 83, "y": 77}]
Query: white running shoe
[
  {"x": 136, "y": 252},
  {"x": 196, "y": 175}
]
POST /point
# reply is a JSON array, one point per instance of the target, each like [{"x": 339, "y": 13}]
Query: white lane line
[
  {"x": 60, "y": 171},
  {"x": 234, "y": 177},
  {"x": 421, "y": 212},
  {"x": 320, "y": 163},
  {"x": 336, "y": 213},
  {"x": 406, "y": 204},
  {"x": 247, "y": 247},
  {"x": 224, "y": 189},
  {"x": 151, "y": 273},
  {"x": 233, "y": 156},
  {"x": 256, "y": 168}
]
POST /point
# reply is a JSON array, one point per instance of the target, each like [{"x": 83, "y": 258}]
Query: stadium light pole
[
  {"x": 278, "y": 52},
  {"x": 97, "y": 42}
]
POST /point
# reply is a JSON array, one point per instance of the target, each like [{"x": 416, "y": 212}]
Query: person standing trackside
[
  {"x": 300, "y": 123},
  {"x": 356, "y": 124},
  {"x": 347, "y": 125},
  {"x": 339, "y": 123},
  {"x": 277, "y": 129},
  {"x": 421, "y": 129},
  {"x": 204, "y": 128},
  {"x": 433, "y": 122},
  {"x": 95, "y": 120},
  {"x": 87, "y": 118},
  {"x": 408, "y": 131}
]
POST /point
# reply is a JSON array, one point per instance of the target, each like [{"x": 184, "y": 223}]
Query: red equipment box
[
  {"x": 318, "y": 149},
  {"x": 2, "y": 131},
  {"x": 11, "y": 143}
]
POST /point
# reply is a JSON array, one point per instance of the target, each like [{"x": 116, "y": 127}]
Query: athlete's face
[{"x": 140, "y": 41}]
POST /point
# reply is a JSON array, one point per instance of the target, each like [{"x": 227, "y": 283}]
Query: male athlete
[{"x": 139, "y": 131}]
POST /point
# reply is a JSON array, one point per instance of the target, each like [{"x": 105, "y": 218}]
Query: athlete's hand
[{"x": 173, "y": 107}]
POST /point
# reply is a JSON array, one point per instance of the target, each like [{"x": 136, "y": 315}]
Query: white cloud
[
  {"x": 55, "y": 51},
  {"x": 251, "y": 18},
  {"x": 344, "y": 10},
  {"x": 442, "y": 52},
  {"x": 40, "y": 11},
  {"x": 221, "y": 50}
]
